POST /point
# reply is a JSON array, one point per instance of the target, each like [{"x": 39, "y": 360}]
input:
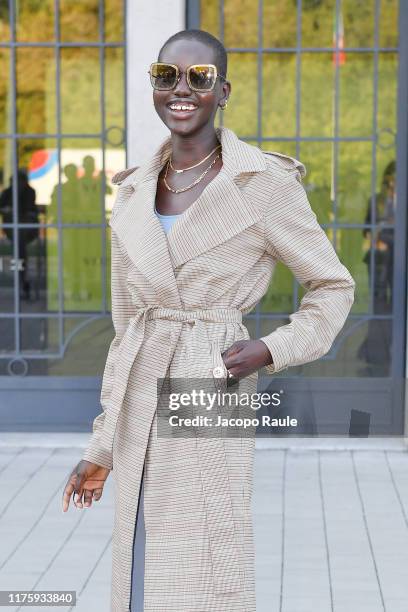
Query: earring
[{"x": 224, "y": 106}]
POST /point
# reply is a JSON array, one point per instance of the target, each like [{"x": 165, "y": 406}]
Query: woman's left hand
[{"x": 246, "y": 356}]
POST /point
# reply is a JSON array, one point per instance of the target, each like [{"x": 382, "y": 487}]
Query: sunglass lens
[
  {"x": 202, "y": 77},
  {"x": 163, "y": 76}
]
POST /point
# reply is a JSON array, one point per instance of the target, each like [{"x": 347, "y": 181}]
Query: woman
[{"x": 177, "y": 306}]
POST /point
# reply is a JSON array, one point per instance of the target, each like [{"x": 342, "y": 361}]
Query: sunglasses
[{"x": 200, "y": 77}]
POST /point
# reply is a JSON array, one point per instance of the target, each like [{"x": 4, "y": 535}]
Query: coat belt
[
  {"x": 132, "y": 341},
  {"x": 211, "y": 452}
]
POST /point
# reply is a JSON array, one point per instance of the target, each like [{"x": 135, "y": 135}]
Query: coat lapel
[{"x": 221, "y": 211}]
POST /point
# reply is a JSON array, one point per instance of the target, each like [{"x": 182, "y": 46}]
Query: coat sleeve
[
  {"x": 122, "y": 310},
  {"x": 294, "y": 237}
]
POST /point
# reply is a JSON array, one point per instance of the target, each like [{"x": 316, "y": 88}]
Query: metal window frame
[
  {"x": 193, "y": 21},
  {"x": 14, "y": 137}
]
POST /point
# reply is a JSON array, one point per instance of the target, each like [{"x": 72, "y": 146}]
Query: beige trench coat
[{"x": 177, "y": 303}]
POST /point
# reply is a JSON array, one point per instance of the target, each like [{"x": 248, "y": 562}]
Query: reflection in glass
[
  {"x": 240, "y": 23},
  {"x": 82, "y": 182},
  {"x": 342, "y": 360},
  {"x": 80, "y": 90},
  {"x": 6, "y": 336},
  {"x": 59, "y": 267},
  {"x": 317, "y": 158},
  {"x": 27, "y": 213},
  {"x": 351, "y": 247},
  {"x": 354, "y": 180},
  {"x": 81, "y": 269},
  {"x": 86, "y": 347},
  {"x": 279, "y": 95},
  {"x": 114, "y": 96},
  {"x": 286, "y": 147},
  {"x": 279, "y": 24},
  {"x": 4, "y": 22},
  {"x": 316, "y": 109},
  {"x": 387, "y": 98},
  {"x": 6, "y": 270},
  {"x": 85, "y": 341},
  {"x": 388, "y": 24},
  {"x": 35, "y": 73},
  {"x": 114, "y": 20},
  {"x": 375, "y": 350},
  {"x": 356, "y": 95},
  {"x": 39, "y": 334},
  {"x": 318, "y": 20},
  {"x": 358, "y": 20},
  {"x": 5, "y": 104},
  {"x": 80, "y": 24},
  {"x": 38, "y": 157},
  {"x": 209, "y": 17},
  {"x": 242, "y": 71},
  {"x": 279, "y": 297},
  {"x": 35, "y": 20}
]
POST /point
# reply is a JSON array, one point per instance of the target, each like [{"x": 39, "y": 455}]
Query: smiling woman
[{"x": 178, "y": 300}]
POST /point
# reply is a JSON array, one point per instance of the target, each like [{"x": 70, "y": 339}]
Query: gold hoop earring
[{"x": 224, "y": 106}]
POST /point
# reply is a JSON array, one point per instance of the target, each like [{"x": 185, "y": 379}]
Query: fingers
[
  {"x": 73, "y": 488},
  {"x": 83, "y": 490},
  {"x": 234, "y": 348},
  {"x": 97, "y": 494},
  {"x": 79, "y": 490},
  {"x": 84, "y": 500},
  {"x": 66, "y": 497},
  {"x": 87, "y": 498}
]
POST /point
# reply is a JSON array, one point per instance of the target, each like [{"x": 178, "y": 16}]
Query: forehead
[{"x": 183, "y": 53}]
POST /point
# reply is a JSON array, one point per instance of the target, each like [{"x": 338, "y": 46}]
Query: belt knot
[{"x": 217, "y": 315}]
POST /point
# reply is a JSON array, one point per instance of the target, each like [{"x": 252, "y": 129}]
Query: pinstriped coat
[{"x": 177, "y": 304}]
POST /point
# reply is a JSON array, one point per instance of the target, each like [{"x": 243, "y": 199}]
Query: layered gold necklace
[{"x": 198, "y": 179}]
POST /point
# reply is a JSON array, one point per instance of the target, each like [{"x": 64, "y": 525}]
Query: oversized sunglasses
[{"x": 200, "y": 77}]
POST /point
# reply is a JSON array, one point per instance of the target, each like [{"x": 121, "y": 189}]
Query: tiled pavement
[{"x": 331, "y": 526}]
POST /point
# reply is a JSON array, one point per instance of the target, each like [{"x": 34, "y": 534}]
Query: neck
[{"x": 190, "y": 149}]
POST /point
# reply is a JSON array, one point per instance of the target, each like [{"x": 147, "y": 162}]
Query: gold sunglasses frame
[{"x": 180, "y": 72}]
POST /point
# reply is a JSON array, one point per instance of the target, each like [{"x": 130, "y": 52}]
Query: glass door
[
  {"x": 62, "y": 136},
  {"x": 318, "y": 80}
]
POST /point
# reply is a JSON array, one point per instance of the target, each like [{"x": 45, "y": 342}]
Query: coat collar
[{"x": 221, "y": 211}]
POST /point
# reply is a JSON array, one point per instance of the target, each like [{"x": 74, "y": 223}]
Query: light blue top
[{"x": 166, "y": 220}]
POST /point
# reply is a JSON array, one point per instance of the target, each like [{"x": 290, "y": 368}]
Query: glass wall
[
  {"x": 318, "y": 80},
  {"x": 62, "y": 137}
]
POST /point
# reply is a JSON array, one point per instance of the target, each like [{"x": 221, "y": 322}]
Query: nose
[{"x": 182, "y": 87}]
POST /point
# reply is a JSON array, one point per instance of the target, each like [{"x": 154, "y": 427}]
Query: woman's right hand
[{"x": 86, "y": 481}]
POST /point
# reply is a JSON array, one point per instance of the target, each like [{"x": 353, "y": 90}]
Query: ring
[
  {"x": 218, "y": 372},
  {"x": 231, "y": 379}
]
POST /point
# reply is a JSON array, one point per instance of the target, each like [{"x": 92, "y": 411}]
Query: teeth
[{"x": 181, "y": 107}]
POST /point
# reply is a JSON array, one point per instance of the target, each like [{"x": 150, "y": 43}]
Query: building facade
[{"x": 321, "y": 80}]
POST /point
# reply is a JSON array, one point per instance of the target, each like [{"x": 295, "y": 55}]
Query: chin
[{"x": 182, "y": 127}]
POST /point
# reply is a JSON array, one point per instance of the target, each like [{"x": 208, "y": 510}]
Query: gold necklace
[
  {"x": 195, "y": 165},
  {"x": 197, "y": 180}
]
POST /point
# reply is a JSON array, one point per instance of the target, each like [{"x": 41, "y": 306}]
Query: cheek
[
  {"x": 159, "y": 99},
  {"x": 208, "y": 104}
]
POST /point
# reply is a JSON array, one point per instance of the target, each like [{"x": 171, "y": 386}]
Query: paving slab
[{"x": 330, "y": 524}]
